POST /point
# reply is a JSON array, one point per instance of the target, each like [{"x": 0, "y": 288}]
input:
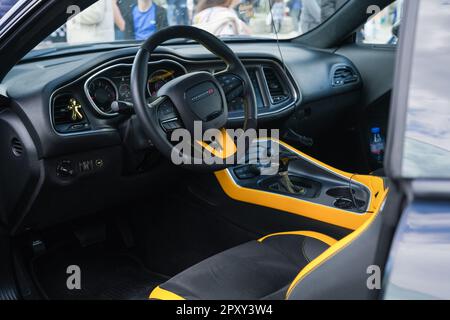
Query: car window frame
[
  {"x": 399, "y": 104},
  {"x": 15, "y": 14}
]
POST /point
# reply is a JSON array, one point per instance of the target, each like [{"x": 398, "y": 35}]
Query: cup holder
[
  {"x": 341, "y": 192},
  {"x": 346, "y": 199},
  {"x": 306, "y": 188}
]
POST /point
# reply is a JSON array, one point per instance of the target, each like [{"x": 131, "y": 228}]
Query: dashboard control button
[
  {"x": 65, "y": 169},
  {"x": 171, "y": 125},
  {"x": 86, "y": 165},
  {"x": 99, "y": 163}
]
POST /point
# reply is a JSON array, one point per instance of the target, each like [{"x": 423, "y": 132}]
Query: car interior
[{"x": 87, "y": 178}]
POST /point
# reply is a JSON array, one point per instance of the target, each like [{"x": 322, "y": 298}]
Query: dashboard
[
  {"x": 96, "y": 92},
  {"x": 64, "y": 144}
]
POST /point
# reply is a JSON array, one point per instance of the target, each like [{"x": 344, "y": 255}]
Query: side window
[
  {"x": 382, "y": 27},
  {"x": 426, "y": 150}
]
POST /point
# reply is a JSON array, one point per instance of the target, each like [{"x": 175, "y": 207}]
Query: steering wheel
[{"x": 190, "y": 100}]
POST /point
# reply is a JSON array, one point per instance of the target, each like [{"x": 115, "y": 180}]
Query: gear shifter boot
[{"x": 290, "y": 187}]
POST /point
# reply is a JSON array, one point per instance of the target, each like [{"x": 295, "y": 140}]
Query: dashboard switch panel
[{"x": 65, "y": 169}]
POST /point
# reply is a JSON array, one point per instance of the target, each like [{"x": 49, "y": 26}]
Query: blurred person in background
[
  {"x": 315, "y": 12},
  {"x": 144, "y": 19},
  {"x": 277, "y": 15},
  {"x": 295, "y": 10},
  {"x": 94, "y": 24},
  {"x": 311, "y": 15},
  {"x": 219, "y": 18},
  {"x": 5, "y": 5},
  {"x": 122, "y": 9},
  {"x": 177, "y": 12}
]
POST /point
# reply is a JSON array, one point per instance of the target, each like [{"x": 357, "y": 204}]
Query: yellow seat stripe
[
  {"x": 162, "y": 294},
  {"x": 316, "y": 235}
]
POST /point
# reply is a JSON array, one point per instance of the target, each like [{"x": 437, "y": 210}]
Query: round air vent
[{"x": 17, "y": 147}]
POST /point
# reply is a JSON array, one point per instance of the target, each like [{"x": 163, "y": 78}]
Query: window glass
[
  {"x": 118, "y": 20},
  {"x": 382, "y": 27},
  {"x": 426, "y": 151}
]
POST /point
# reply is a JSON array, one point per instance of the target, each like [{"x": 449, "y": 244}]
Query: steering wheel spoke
[
  {"x": 156, "y": 102},
  {"x": 167, "y": 115}
]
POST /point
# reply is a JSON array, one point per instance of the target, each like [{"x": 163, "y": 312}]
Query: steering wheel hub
[{"x": 197, "y": 97}]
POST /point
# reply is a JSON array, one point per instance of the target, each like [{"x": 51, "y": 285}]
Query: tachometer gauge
[
  {"x": 157, "y": 79},
  {"x": 103, "y": 92}
]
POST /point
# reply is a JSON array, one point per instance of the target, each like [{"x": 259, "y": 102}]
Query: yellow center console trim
[
  {"x": 309, "y": 209},
  {"x": 316, "y": 235},
  {"x": 223, "y": 148},
  {"x": 162, "y": 294}
]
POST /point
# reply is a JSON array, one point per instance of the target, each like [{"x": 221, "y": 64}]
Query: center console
[{"x": 302, "y": 185}]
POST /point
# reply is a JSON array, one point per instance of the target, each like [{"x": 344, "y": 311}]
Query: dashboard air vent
[
  {"x": 16, "y": 147},
  {"x": 68, "y": 114},
  {"x": 276, "y": 89},
  {"x": 343, "y": 75}
]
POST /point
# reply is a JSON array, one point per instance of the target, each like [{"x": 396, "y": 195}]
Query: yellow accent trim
[
  {"x": 319, "y": 236},
  {"x": 226, "y": 149},
  {"x": 162, "y": 294},
  {"x": 333, "y": 250},
  {"x": 346, "y": 219}
]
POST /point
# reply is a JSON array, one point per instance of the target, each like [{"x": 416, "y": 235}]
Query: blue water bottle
[{"x": 377, "y": 145}]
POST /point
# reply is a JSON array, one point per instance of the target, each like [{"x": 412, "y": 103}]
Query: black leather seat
[{"x": 262, "y": 269}]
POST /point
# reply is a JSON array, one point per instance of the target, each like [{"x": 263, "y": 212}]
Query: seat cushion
[{"x": 260, "y": 269}]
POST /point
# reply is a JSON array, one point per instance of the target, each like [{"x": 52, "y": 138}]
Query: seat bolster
[
  {"x": 357, "y": 250},
  {"x": 162, "y": 294}
]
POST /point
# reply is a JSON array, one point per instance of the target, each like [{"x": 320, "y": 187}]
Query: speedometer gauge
[
  {"x": 157, "y": 79},
  {"x": 103, "y": 92}
]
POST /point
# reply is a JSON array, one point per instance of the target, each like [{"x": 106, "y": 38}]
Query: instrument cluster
[{"x": 113, "y": 83}]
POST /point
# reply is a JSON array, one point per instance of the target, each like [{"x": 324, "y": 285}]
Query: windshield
[{"x": 136, "y": 20}]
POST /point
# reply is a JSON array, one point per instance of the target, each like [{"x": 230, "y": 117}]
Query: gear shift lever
[{"x": 283, "y": 172}]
